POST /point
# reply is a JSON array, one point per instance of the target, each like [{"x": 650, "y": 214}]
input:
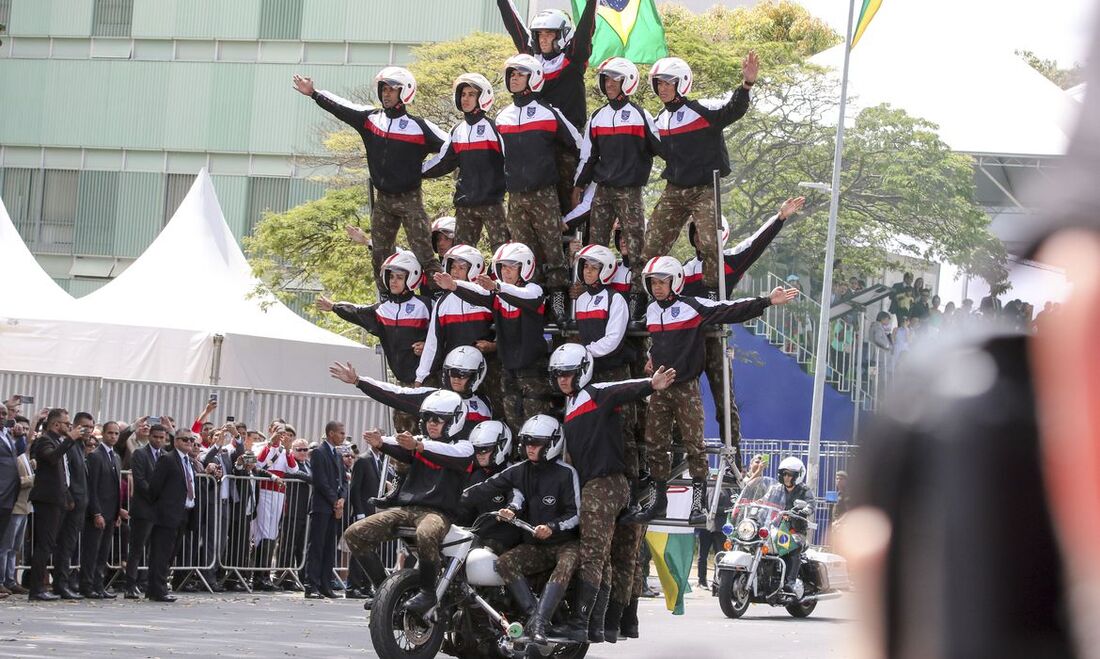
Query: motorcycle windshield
[{"x": 761, "y": 501}]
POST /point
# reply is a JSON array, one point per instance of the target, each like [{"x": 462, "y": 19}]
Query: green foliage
[{"x": 1064, "y": 78}]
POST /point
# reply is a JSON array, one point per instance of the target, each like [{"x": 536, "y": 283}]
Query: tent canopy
[{"x": 28, "y": 290}]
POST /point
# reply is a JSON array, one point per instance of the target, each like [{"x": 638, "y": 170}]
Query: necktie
[{"x": 189, "y": 480}]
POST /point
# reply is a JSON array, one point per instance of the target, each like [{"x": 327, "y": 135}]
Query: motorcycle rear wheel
[
  {"x": 802, "y": 609},
  {"x": 733, "y": 596},
  {"x": 395, "y": 633}
]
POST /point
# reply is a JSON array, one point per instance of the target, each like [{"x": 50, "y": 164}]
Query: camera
[
  {"x": 230, "y": 419},
  {"x": 26, "y": 400},
  {"x": 248, "y": 459},
  {"x": 9, "y": 423},
  {"x": 153, "y": 420},
  {"x": 214, "y": 397}
]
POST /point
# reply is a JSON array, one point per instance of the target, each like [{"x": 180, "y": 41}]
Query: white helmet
[
  {"x": 446, "y": 405},
  {"x": 545, "y": 431},
  {"x": 795, "y": 466},
  {"x": 525, "y": 64},
  {"x": 597, "y": 254},
  {"x": 478, "y": 82},
  {"x": 404, "y": 262},
  {"x": 692, "y": 232},
  {"x": 444, "y": 225},
  {"x": 571, "y": 358},
  {"x": 551, "y": 19},
  {"x": 464, "y": 361},
  {"x": 396, "y": 76},
  {"x": 467, "y": 254},
  {"x": 515, "y": 253},
  {"x": 671, "y": 69},
  {"x": 489, "y": 435},
  {"x": 664, "y": 266},
  {"x": 622, "y": 69}
]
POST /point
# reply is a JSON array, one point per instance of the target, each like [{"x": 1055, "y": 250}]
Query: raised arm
[
  {"x": 579, "y": 48},
  {"x": 473, "y": 294},
  {"x": 515, "y": 26},
  {"x": 350, "y": 113},
  {"x": 364, "y": 316},
  {"x": 402, "y": 399},
  {"x": 624, "y": 391}
]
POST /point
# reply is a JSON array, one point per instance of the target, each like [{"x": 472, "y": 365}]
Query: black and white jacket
[
  {"x": 436, "y": 475},
  {"x": 602, "y": 316},
  {"x": 593, "y": 429},
  {"x": 532, "y": 132},
  {"x": 474, "y": 147},
  {"x": 455, "y": 322},
  {"x": 619, "y": 143},
  {"x": 691, "y": 137},
  {"x": 676, "y": 329},
  {"x": 737, "y": 260},
  {"x": 519, "y": 315},
  {"x": 544, "y": 493},
  {"x": 408, "y": 400},
  {"x": 396, "y": 141},
  {"x": 398, "y": 321}
]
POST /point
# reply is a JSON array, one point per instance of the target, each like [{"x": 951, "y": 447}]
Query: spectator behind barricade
[
  {"x": 11, "y": 541},
  {"x": 135, "y": 436},
  {"x": 142, "y": 463},
  {"x": 843, "y": 499},
  {"x": 72, "y": 522},
  {"x": 901, "y": 296},
  {"x": 9, "y": 475},
  {"x": 203, "y": 427},
  {"x": 276, "y": 459},
  {"x": 293, "y": 529}
]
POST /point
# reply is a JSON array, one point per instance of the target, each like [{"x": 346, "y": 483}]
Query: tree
[{"x": 1064, "y": 78}]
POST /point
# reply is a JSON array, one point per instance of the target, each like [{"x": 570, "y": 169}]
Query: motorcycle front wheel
[
  {"x": 395, "y": 633},
  {"x": 733, "y": 593},
  {"x": 802, "y": 609}
]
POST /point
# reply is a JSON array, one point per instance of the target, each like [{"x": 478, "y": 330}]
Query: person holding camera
[
  {"x": 276, "y": 459},
  {"x": 72, "y": 522},
  {"x": 50, "y": 495}
]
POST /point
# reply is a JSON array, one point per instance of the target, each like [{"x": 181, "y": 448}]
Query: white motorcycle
[
  {"x": 475, "y": 616},
  {"x": 751, "y": 570}
]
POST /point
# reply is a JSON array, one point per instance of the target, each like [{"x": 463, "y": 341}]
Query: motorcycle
[
  {"x": 475, "y": 617},
  {"x": 760, "y": 533}
]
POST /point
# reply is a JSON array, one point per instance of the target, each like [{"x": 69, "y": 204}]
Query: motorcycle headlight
[{"x": 746, "y": 530}]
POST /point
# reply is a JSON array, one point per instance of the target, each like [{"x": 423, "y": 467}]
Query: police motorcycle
[
  {"x": 475, "y": 618},
  {"x": 760, "y": 533}
]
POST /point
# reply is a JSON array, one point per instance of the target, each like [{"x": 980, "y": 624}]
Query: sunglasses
[
  {"x": 301, "y": 450},
  {"x": 484, "y": 449},
  {"x": 432, "y": 418}
]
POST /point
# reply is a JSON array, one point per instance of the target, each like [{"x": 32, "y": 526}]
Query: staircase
[{"x": 792, "y": 328}]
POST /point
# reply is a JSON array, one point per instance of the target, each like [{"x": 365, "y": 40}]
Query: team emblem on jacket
[
  {"x": 597, "y": 299},
  {"x": 480, "y": 130},
  {"x": 679, "y": 115},
  {"x": 625, "y": 114},
  {"x": 409, "y": 307},
  {"x": 675, "y": 311},
  {"x": 473, "y": 404},
  {"x": 531, "y": 110},
  {"x": 498, "y": 499},
  {"x": 549, "y": 500},
  {"x": 402, "y": 123}
]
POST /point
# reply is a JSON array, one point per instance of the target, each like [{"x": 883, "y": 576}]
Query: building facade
[{"x": 111, "y": 107}]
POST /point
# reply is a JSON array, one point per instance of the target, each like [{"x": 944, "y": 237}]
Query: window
[
  {"x": 176, "y": 188},
  {"x": 112, "y": 18},
  {"x": 59, "y": 194},
  {"x": 265, "y": 194},
  {"x": 281, "y": 19},
  {"x": 22, "y": 195}
]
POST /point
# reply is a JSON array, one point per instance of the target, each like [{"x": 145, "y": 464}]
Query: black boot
[
  {"x": 612, "y": 620},
  {"x": 576, "y": 629},
  {"x": 628, "y": 626},
  {"x": 423, "y": 601},
  {"x": 636, "y": 305},
  {"x": 548, "y": 603},
  {"x": 711, "y": 294},
  {"x": 523, "y": 597},
  {"x": 698, "y": 514},
  {"x": 657, "y": 507},
  {"x": 557, "y": 306},
  {"x": 599, "y": 610}
]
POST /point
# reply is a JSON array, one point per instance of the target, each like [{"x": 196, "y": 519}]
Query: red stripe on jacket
[
  {"x": 589, "y": 406},
  {"x": 549, "y": 125},
  {"x": 603, "y": 131},
  {"x": 670, "y": 327},
  {"x": 401, "y": 137},
  {"x": 419, "y": 323},
  {"x": 485, "y": 145},
  {"x": 475, "y": 317},
  {"x": 698, "y": 124}
]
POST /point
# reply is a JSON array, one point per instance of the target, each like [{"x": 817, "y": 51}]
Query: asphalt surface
[{"x": 287, "y": 625}]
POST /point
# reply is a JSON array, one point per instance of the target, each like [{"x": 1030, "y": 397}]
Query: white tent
[
  {"x": 27, "y": 289},
  {"x": 185, "y": 311}
]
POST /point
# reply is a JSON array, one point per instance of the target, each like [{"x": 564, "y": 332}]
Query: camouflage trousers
[
  {"x": 524, "y": 559},
  {"x": 619, "y": 569},
  {"x": 640, "y": 344},
  {"x": 602, "y": 499},
  {"x": 567, "y": 162},
  {"x": 492, "y": 387},
  {"x": 675, "y": 207},
  {"x": 641, "y": 564},
  {"x": 403, "y": 421},
  {"x": 392, "y": 211},
  {"x": 681, "y": 403},
  {"x": 628, "y": 413},
  {"x": 534, "y": 219},
  {"x": 715, "y": 354},
  {"x": 625, "y": 205},
  {"x": 526, "y": 393},
  {"x": 470, "y": 219},
  {"x": 364, "y": 536}
]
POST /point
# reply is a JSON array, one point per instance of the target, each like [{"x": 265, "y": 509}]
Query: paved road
[{"x": 272, "y": 625}]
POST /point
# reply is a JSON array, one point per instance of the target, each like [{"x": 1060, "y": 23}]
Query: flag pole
[{"x": 821, "y": 356}]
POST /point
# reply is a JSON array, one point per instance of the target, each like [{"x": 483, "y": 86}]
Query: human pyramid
[{"x": 470, "y": 352}]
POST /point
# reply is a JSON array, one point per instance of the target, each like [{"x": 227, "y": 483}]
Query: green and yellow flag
[
  {"x": 870, "y": 8},
  {"x": 673, "y": 550},
  {"x": 626, "y": 28}
]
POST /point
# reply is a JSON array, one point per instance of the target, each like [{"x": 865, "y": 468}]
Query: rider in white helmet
[
  {"x": 426, "y": 499},
  {"x": 396, "y": 143},
  {"x": 476, "y": 150},
  {"x": 619, "y": 142},
  {"x": 693, "y": 146},
  {"x": 518, "y": 306},
  {"x": 399, "y": 320},
  {"x": 533, "y": 131},
  {"x": 563, "y": 51},
  {"x": 492, "y": 442},
  {"x": 799, "y": 500},
  {"x": 546, "y": 494}
]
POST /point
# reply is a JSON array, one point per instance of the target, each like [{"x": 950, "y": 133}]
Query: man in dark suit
[
  {"x": 50, "y": 494},
  {"x": 9, "y": 474},
  {"x": 293, "y": 525},
  {"x": 222, "y": 456},
  {"x": 366, "y": 474},
  {"x": 172, "y": 491},
  {"x": 142, "y": 463},
  {"x": 104, "y": 504},
  {"x": 72, "y": 521},
  {"x": 329, "y": 492}
]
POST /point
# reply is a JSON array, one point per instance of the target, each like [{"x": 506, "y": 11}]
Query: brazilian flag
[
  {"x": 626, "y": 28},
  {"x": 785, "y": 541}
]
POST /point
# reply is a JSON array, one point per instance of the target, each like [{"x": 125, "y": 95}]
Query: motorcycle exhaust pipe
[{"x": 821, "y": 597}]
